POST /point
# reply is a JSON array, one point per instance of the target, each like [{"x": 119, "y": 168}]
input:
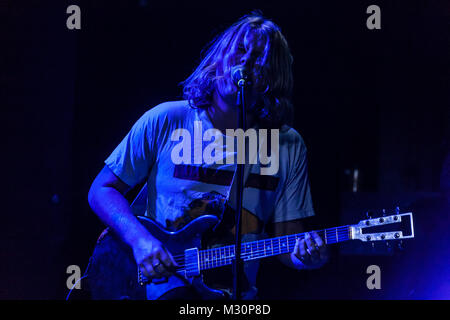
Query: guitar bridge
[{"x": 142, "y": 279}]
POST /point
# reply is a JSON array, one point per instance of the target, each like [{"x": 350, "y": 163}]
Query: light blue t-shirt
[{"x": 146, "y": 153}]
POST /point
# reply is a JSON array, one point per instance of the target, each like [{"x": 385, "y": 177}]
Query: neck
[
  {"x": 216, "y": 257},
  {"x": 223, "y": 115}
]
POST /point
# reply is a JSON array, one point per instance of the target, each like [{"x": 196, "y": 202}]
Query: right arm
[{"x": 107, "y": 199}]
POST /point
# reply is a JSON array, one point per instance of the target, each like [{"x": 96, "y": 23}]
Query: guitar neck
[{"x": 222, "y": 256}]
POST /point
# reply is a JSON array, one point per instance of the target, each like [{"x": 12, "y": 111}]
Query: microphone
[{"x": 239, "y": 75}]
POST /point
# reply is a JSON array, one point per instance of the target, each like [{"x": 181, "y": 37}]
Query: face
[{"x": 249, "y": 53}]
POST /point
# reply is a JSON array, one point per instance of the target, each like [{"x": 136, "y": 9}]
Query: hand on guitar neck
[{"x": 310, "y": 252}]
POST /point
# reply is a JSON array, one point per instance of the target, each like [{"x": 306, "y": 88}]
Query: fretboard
[{"x": 222, "y": 256}]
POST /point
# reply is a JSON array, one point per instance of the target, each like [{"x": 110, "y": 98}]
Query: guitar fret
[
  {"x": 224, "y": 257},
  {"x": 231, "y": 253},
  {"x": 331, "y": 236},
  {"x": 210, "y": 258},
  {"x": 254, "y": 247},
  {"x": 204, "y": 259},
  {"x": 286, "y": 244},
  {"x": 261, "y": 248},
  {"x": 221, "y": 256}
]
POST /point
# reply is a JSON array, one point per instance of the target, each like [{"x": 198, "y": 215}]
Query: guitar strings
[
  {"x": 217, "y": 260},
  {"x": 340, "y": 233},
  {"x": 211, "y": 252},
  {"x": 248, "y": 255}
]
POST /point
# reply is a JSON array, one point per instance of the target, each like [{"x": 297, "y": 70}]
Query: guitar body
[{"x": 113, "y": 273}]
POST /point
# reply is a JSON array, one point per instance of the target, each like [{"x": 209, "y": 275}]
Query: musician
[{"x": 275, "y": 202}]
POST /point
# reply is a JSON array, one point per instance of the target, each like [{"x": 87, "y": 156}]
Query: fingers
[
  {"x": 300, "y": 250},
  {"x": 166, "y": 263},
  {"x": 317, "y": 239},
  {"x": 311, "y": 245},
  {"x": 166, "y": 259},
  {"x": 147, "y": 268},
  {"x": 159, "y": 264},
  {"x": 321, "y": 246},
  {"x": 310, "y": 249},
  {"x": 154, "y": 269}
]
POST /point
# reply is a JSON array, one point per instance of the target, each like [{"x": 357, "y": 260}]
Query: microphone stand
[{"x": 238, "y": 263}]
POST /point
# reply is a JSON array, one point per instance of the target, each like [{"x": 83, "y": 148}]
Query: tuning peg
[
  {"x": 397, "y": 210},
  {"x": 400, "y": 245},
  {"x": 369, "y": 214},
  {"x": 384, "y": 212}
]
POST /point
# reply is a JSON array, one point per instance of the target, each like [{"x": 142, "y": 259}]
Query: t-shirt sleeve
[
  {"x": 295, "y": 201},
  {"x": 134, "y": 156}
]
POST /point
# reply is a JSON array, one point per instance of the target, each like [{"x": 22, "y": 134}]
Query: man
[{"x": 147, "y": 153}]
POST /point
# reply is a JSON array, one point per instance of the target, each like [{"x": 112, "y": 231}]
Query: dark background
[{"x": 372, "y": 100}]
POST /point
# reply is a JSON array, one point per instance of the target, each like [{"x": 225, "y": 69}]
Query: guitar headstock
[{"x": 392, "y": 227}]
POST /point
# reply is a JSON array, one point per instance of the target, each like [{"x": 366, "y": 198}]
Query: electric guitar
[{"x": 113, "y": 273}]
